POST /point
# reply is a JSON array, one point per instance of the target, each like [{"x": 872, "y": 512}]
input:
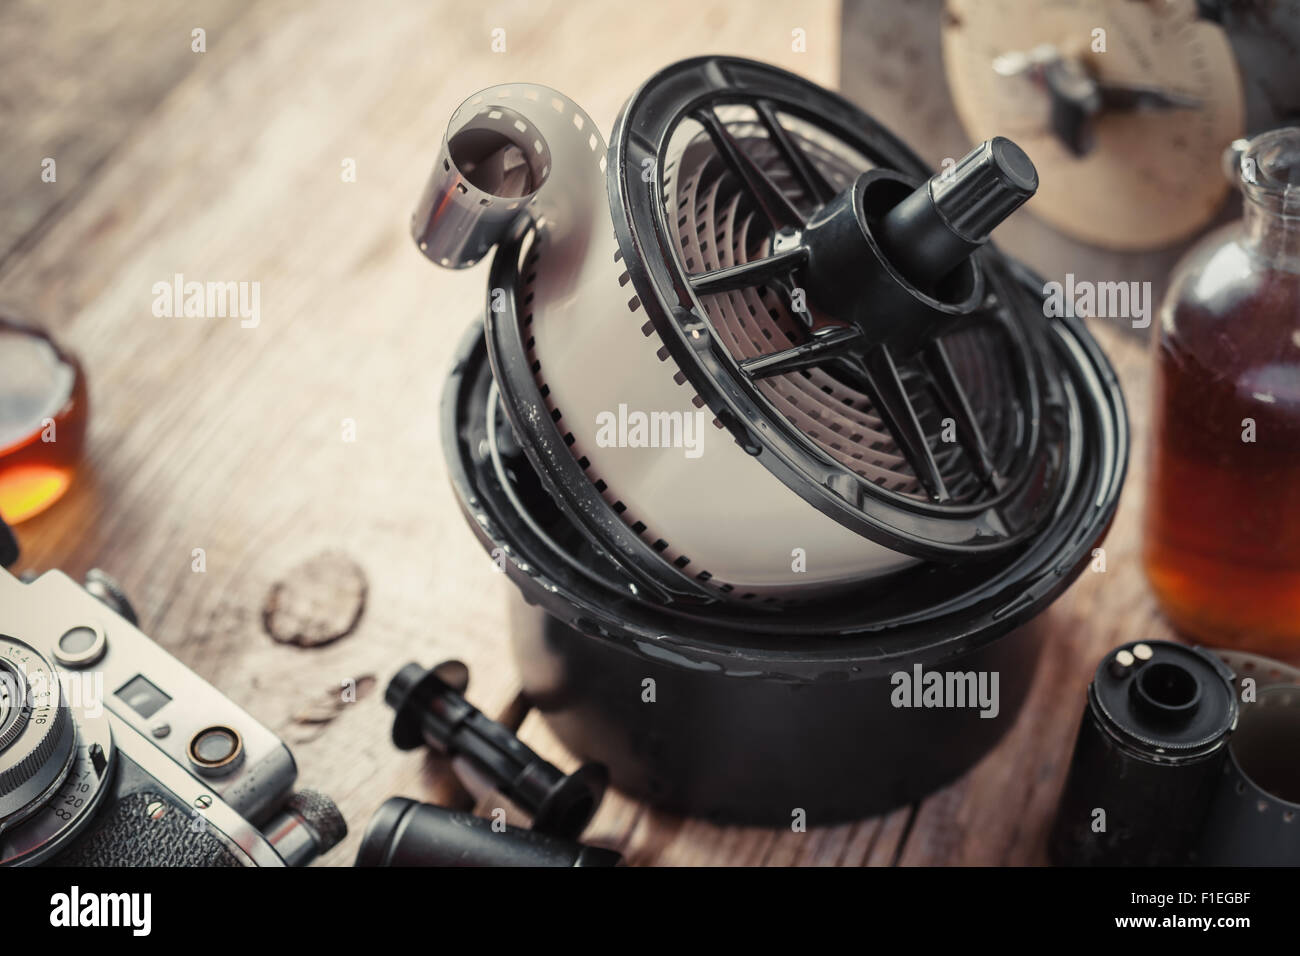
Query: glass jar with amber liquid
[
  {"x": 1222, "y": 541},
  {"x": 43, "y": 409}
]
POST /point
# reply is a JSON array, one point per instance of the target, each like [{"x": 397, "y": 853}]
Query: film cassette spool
[
  {"x": 1146, "y": 761},
  {"x": 1177, "y": 764}
]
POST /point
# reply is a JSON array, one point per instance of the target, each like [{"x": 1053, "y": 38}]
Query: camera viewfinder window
[{"x": 142, "y": 696}]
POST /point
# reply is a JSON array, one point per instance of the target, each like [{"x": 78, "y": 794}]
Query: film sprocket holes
[
  {"x": 905, "y": 462},
  {"x": 112, "y": 752}
]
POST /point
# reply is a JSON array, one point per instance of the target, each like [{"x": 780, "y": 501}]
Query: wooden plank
[
  {"x": 74, "y": 89},
  {"x": 207, "y": 435}
]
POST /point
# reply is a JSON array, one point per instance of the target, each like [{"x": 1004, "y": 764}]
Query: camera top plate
[{"x": 147, "y": 689}]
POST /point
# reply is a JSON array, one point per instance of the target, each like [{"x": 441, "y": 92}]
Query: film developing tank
[{"x": 761, "y": 427}]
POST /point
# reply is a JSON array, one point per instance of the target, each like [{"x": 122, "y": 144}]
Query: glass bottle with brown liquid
[
  {"x": 1222, "y": 545},
  {"x": 43, "y": 409}
]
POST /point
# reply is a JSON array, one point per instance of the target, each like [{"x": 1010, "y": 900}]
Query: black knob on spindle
[
  {"x": 432, "y": 709},
  {"x": 947, "y": 218}
]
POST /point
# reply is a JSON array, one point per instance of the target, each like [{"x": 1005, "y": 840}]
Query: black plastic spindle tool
[
  {"x": 432, "y": 709},
  {"x": 951, "y": 215}
]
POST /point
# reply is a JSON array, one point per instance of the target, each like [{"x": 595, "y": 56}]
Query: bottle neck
[
  {"x": 1272, "y": 236},
  {"x": 1268, "y": 174}
]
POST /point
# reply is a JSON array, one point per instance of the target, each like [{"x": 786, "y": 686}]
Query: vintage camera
[{"x": 113, "y": 753}]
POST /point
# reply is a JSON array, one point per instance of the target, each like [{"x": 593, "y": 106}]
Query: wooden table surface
[{"x": 226, "y": 165}]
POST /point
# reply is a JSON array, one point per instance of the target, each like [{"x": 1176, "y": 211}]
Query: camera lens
[
  {"x": 37, "y": 735},
  {"x": 56, "y": 754},
  {"x": 12, "y": 692},
  {"x": 216, "y": 750}
]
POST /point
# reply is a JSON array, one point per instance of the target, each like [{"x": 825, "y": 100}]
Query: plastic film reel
[{"x": 715, "y": 231}]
